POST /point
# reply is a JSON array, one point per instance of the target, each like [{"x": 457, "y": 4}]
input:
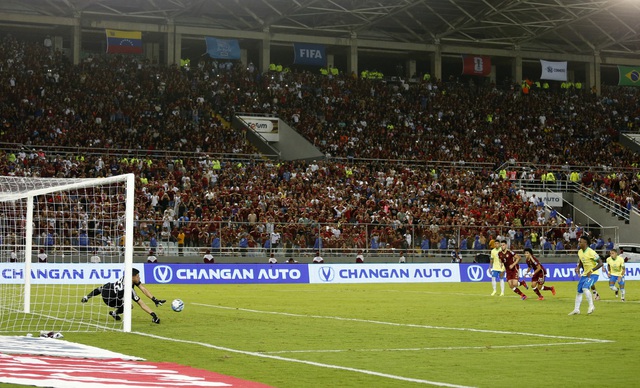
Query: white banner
[
  {"x": 550, "y": 199},
  {"x": 556, "y": 71},
  {"x": 266, "y": 126},
  {"x": 384, "y": 273}
]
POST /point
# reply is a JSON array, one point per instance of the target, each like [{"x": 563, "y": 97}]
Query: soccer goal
[{"x": 60, "y": 239}]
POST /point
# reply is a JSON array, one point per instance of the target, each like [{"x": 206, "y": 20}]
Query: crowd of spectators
[{"x": 412, "y": 165}]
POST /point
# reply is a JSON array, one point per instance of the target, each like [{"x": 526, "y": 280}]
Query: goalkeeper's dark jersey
[{"x": 116, "y": 291}]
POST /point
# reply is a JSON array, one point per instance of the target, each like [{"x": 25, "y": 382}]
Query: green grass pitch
[{"x": 389, "y": 335}]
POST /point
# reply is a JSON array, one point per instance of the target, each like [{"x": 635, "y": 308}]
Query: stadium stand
[{"x": 407, "y": 163}]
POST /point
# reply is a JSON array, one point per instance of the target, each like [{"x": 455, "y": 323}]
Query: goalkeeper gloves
[
  {"x": 158, "y": 302},
  {"x": 154, "y": 318}
]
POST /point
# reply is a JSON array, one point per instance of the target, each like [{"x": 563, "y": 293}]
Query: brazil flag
[{"x": 629, "y": 76}]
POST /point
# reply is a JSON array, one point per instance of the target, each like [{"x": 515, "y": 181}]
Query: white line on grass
[
  {"x": 262, "y": 355},
  {"x": 435, "y": 348},
  {"x": 592, "y": 340}
]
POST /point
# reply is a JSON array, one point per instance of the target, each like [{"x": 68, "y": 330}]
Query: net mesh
[{"x": 74, "y": 242}]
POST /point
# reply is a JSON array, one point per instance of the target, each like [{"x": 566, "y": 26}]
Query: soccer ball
[{"x": 177, "y": 305}]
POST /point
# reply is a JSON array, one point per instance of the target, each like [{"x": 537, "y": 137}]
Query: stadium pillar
[
  {"x": 352, "y": 62},
  {"x": 593, "y": 73},
  {"x": 411, "y": 68},
  {"x": 152, "y": 52},
  {"x": 76, "y": 41},
  {"x": 243, "y": 57},
  {"x": 330, "y": 60},
  {"x": 436, "y": 62},
  {"x": 516, "y": 67},
  {"x": 173, "y": 44},
  {"x": 265, "y": 51}
]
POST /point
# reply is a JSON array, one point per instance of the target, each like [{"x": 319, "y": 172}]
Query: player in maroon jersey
[
  {"x": 537, "y": 274},
  {"x": 510, "y": 261}
]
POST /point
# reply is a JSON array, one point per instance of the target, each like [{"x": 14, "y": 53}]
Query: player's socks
[
  {"x": 537, "y": 292},
  {"x": 517, "y": 291},
  {"x": 524, "y": 284},
  {"x": 623, "y": 293},
  {"x": 590, "y": 299},
  {"x": 578, "y": 302}
]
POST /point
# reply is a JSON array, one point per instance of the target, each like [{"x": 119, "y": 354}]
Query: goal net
[{"x": 59, "y": 240}]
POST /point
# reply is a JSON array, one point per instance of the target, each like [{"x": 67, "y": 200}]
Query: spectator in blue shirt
[
  {"x": 527, "y": 243},
  {"x": 424, "y": 245},
  {"x": 215, "y": 244},
  {"x": 609, "y": 245},
  {"x": 476, "y": 243},
  {"x": 443, "y": 243},
  {"x": 243, "y": 245},
  {"x": 599, "y": 243},
  {"x": 374, "y": 243}
]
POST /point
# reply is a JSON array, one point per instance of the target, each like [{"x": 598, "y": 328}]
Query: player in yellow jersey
[
  {"x": 615, "y": 268},
  {"x": 497, "y": 271},
  {"x": 590, "y": 263}
]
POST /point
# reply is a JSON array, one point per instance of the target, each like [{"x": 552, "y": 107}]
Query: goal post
[{"x": 59, "y": 240}]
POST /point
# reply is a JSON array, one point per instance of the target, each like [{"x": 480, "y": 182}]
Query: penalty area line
[
  {"x": 592, "y": 340},
  {"x": 489, "y": 347},
  {"x": 318, "y": 364}
]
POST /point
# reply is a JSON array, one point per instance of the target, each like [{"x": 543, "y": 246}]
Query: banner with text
[
  {"x": 65, "y": 274},
  {"x": 226, "y": 273},
  {"x": 554, "y": 272},
  {"x": 550, "y": 199},
  {"x": 384, "y": 273},
  {"x": 555, "y": 71},
  {"x": 476, "y": 65},
  {"x": 222, "y": 48},
  {"x": 309, "y": 54},
  {"x": 49, "y": 273},
  {"x": 267, "y": 127}
]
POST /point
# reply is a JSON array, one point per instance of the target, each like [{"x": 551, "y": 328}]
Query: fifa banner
[
  {"x": 309, "y": 54},
  {"x": 629, "y": 76},
  {"x": 124, "y": 42},
  {"x": 267, "y": 127},
  {"x": 553, "y": 272},
  {"x": 550, "y": 199},
  {"x": 555, "y": 71},
  {"x": 223, "y": 48},
  {"x": 476, "y": 65}
]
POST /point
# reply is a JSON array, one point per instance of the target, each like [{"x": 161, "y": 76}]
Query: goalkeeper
[{"x": 113, "y": 294}]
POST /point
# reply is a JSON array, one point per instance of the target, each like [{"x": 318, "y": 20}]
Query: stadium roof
[{"x": 608, "y": 27}]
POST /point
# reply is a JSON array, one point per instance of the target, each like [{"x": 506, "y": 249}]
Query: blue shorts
[
  {"x": 613, "y": 279},
  {"x": 495, "y": 274},
  {"x": 587, "y": 282}
]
